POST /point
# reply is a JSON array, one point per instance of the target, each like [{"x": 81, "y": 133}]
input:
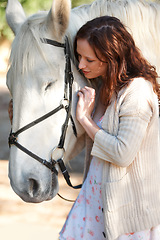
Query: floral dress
[{"x": 85, "y": 220}]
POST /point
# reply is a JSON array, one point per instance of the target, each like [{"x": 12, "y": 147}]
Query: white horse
[{"x": 36, "y": 81}]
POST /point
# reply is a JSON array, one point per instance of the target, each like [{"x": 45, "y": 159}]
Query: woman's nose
[{"x": 82, "y": 64}]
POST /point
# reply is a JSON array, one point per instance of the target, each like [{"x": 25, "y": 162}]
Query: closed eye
[
  {"x": 88, "y": 60},
  {"x": 49, "y": 85}
]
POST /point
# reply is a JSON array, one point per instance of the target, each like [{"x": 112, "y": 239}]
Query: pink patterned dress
[{"x": 85, "y": 220}]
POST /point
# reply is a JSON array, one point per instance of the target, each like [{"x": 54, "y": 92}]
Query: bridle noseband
[{"x": 65, "y": 104}]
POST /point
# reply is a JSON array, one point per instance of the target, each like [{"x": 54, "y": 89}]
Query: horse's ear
[
  {"x": 15, "y": 15},
  {"x": 58, "y": 17}
]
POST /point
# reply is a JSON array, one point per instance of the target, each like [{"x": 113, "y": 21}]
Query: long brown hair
[{"x": 108, "y": 36}]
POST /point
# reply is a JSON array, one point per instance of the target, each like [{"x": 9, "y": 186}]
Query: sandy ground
[
  {"x": 23, "y": 221},
  {"x": 20, "y": 220}
]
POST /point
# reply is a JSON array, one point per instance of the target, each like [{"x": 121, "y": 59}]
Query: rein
[{"x": 65, "y": 104}]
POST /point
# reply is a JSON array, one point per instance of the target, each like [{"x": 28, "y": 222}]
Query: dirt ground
[{"x": 20, "y": 220}]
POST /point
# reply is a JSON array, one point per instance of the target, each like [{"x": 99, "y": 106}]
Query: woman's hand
[
  {"x": 84, "y": 111},
  {"x": 85, "y": 103},
  {"x": 10, "y": 110}
]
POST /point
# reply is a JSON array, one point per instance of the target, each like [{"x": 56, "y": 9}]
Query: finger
[
  {"x": 10, "y": 110},
  {"x": 80, "y": 94},
  {"x": 10, "y": 115},
  {"x": 11, "y": 102},
  {"x": 91, "y": 91},
  {"x": 10, "y": 105},
  {"x": 86, "y": 91},
  {"x": 81, "y": 98},
  {"x": 82, "y": 90},
  {"x": 89, "y": 88}
]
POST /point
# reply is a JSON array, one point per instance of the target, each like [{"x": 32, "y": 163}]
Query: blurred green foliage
[
  {"x": 76, "y": 3},
  {"x": 30, "y": 7}
]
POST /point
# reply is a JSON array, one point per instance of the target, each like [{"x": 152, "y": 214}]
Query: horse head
[{"x": 36, "y": 82}]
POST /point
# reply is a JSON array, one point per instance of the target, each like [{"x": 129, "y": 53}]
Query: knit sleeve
[{"x": 134, "y": 116}]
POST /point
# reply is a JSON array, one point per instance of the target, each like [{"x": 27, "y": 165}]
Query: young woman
[{"x": 120, "y": 197}]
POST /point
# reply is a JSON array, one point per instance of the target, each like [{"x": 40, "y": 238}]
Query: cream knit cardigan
[{"x": 128, "y": 144}]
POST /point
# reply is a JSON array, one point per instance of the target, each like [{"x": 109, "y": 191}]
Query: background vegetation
[{"x": 30, "y": 7}]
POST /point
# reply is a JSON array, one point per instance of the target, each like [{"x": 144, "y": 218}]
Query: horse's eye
[{"x": 49, "y": 85}]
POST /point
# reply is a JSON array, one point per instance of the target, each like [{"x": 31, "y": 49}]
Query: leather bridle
[{"x": 65, "y": 104}]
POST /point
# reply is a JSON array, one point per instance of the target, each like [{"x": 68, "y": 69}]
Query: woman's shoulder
[
  {"x": 137, "y": 97},
  {"x": 140, "y": 82},
  {"x": 139, "y": 88}
]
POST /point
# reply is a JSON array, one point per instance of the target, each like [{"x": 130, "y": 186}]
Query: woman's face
[{"x": 90, "y": 65}]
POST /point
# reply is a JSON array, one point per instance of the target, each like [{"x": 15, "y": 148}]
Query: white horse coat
[{"x": 36, "y": 80}]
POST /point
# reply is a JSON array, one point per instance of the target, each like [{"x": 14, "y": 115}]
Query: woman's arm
[{"x": 134, "y": 116}]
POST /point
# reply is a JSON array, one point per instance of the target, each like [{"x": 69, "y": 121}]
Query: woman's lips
[{"x": 85, "y": 72}]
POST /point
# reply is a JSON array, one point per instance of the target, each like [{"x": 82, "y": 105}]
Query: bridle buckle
[
  {"x": 57, "y": 153},
  {"x": 65, "y": 103},
  {"x": 12, "y": 139}
]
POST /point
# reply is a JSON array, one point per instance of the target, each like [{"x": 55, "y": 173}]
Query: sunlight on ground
[{"x": 23, "y": 221}]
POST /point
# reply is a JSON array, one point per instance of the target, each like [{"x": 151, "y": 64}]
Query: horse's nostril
[{"x": 33, "y": 187}]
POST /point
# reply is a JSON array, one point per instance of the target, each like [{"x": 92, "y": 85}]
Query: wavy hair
[{"x": 109, "y": 37}]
